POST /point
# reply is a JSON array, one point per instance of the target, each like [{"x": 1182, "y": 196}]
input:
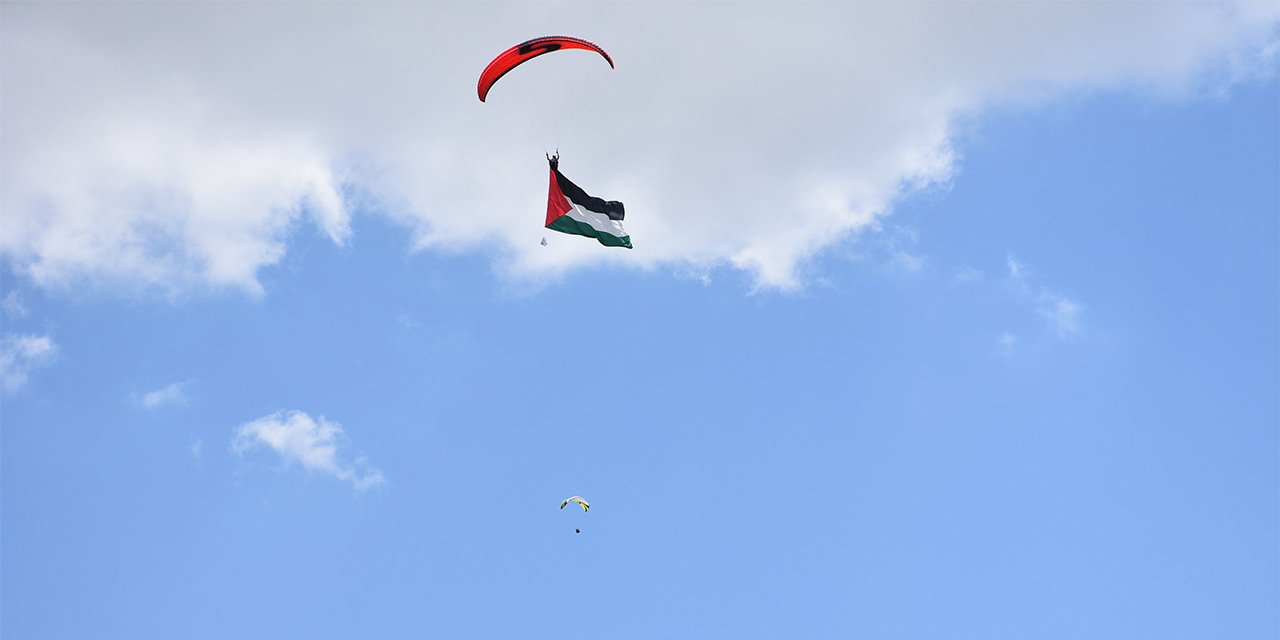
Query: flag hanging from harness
[{"x": 572, "y": 210}]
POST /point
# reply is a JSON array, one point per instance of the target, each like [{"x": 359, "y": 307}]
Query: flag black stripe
[{"x": 611, "y": 208}]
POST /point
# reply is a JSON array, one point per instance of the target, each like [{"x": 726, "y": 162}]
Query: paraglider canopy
[
  {"x": 586, "y": 506},
  {"x": 528, "y": 50}
]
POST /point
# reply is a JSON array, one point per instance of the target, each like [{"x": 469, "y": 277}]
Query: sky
[{"x": 943, "y": 320}]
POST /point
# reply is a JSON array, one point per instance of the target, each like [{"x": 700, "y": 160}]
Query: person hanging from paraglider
[{"x": 554, "y": 161}]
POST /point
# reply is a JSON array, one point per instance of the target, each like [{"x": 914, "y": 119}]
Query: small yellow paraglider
[
  {"x": 586, "y": 506},
  {"x": 581, "y": 502}
]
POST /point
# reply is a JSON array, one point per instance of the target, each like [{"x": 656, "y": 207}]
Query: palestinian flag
[{"x": 571, "y": 210}]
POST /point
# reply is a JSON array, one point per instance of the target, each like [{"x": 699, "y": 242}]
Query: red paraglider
[{"x": 528, "y": 50}]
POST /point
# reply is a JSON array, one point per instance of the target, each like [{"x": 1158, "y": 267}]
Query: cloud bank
[
  {"x": 313, "y": 443},
  {"x": 179, "y": 146}
]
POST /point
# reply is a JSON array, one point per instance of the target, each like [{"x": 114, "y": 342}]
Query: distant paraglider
[{"x": 581, "y": 502}]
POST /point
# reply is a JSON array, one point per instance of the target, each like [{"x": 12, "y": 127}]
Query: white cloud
[
  {"x": 12, "y": 306},
  {"x": 20, "y": 355},
  {"x": 1005, "y": 344},
  {"x": 171, "y": 395},
  {"x": 312, "y": 443},
  {"x": 1061, "y": 312},
  {"x": 183, "y": 142},
  {"x": 1015, "y": 268},
  {"x": 967, "y": 274}
]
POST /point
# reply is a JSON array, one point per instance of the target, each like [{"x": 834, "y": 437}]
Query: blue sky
[{"x": 1027, "y": 386}]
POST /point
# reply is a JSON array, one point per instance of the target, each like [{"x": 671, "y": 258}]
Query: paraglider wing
[
  {"x": 528, "y": 50},
  {"x": 586, "y": 506}
]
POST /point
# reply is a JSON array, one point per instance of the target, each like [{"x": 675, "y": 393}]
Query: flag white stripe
[{"x": 598, "y": 221}]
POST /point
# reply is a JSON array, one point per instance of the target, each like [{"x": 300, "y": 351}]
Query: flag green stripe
[{"x": 565, "y": 224}]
